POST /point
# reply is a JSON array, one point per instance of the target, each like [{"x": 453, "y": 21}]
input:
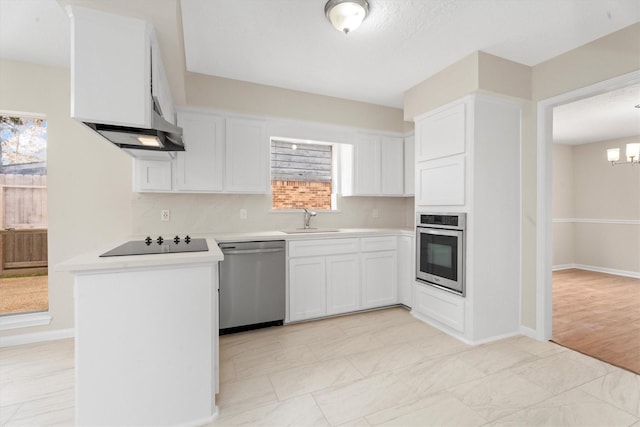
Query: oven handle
[
  {"x": 440, "y": 231},
  {"x": 251, "y": 251}
]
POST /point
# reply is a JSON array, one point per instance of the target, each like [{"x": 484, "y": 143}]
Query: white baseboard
[
  {"x": 634, "y": 274},
  {"x": 561, "y": 267},
  {"x": 528, "y": 332},
  {"x": 58, "y": 334}
]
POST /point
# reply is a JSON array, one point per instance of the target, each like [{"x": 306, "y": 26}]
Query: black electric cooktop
[{"x": 151, "y": 246}]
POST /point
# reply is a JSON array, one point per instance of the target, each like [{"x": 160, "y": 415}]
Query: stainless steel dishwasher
[{"x": 252, "y": 285}]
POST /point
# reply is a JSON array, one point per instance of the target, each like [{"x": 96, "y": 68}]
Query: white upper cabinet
[
  {"x": 373, "y": 166},
  {"x": 222, "y": 155},
  {"x": 111, "y": 63},
  {"x": 366, "y": 165},
  {"x": 391, "y": 166},
  {"x": 441, "y": 139},
  {"x": 199, "y": 168},
  {"x": 441, "y": 182},
  {"x": 442, "y": 133},
  {"x": 247, "y": 156},
  {"x": 152, "y": 175},
  {"x": 409, "y": 165}
]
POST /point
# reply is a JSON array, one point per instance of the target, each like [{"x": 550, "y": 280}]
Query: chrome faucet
[{"x": 307, "y": 217}]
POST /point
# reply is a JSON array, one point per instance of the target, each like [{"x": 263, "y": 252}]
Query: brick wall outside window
[{"x": 301, "y": 194}]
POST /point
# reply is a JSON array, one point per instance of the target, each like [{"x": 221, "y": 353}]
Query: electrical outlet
[
  {"x": 165, "y": 215},
  {"x": 243, "y": 214},
  {"x": 375, "y": 213}
]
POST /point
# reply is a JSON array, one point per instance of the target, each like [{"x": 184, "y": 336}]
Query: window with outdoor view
[
  {"x": 301, "y": 175},
  {"x": 23, "y": 215}
]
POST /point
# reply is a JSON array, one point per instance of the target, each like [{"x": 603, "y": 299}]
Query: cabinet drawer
[
  {"x": 300, "y": 248},
  {"x": 383, "y": 243},
  {"x": 439, "y": 305}
]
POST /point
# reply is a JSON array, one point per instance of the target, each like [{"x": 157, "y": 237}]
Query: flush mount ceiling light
[{"x": 346, "y": 15}]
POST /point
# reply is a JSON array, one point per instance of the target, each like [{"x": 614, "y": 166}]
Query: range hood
[
  {"x": 162, "y": 136},
  {"x": 119, "y": 87}
]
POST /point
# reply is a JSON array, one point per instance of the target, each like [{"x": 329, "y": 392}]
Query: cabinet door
[
  {"x": 199, "y": 168},
  {"x": 406, "y": 269},
  {"x": 343, "y": 284},
  {"x": 442, "y": 133},
  {"x": 379, "y": 278},
  {"x": 391, "y": 166},
  {"x": 247, "y": 156},
  {"x": 152, "y": 175},
  {"x": 409, "y": 165},
  {"x": 441, "y": 182},
  {"x": 307, "y": 289},
  {"x": 367, "y": 165}
]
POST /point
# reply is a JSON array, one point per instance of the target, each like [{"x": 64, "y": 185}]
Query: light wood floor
[{"x": 598, "y": 314}]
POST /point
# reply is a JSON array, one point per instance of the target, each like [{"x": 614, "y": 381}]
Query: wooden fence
[{"x": 23, "y": 218}]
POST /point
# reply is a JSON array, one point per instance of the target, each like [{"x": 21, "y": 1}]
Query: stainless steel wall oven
[{"x": 440, "y": 248}]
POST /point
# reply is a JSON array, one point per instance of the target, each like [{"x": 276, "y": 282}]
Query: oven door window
[{"x": 439, "y": 255}]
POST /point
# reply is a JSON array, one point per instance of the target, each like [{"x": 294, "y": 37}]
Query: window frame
[{"x": 335, "y": 176}]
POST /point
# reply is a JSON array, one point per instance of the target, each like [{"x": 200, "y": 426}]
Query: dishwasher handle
[{"x": 251, "y": 251}]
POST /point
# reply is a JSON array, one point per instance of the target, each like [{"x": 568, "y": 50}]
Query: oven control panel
[{"x": 443, "y": 220}]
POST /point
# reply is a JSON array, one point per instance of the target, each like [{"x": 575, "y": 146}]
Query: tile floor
[{"x": 367, "y": 369}]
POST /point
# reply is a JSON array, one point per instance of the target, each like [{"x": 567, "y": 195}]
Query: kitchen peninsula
[
  {"x": 147, "y": 325},
  {"x": 146, "y": 337}
]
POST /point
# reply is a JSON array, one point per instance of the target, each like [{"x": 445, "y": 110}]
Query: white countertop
[
  {"x": 91, "y": 261},
  {"x": 316, "y": 234}
]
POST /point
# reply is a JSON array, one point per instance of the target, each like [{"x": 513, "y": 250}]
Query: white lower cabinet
[
  {"x": 406, "y": 269},
  {"x": 441, "y": 306},
  {"x": 335, "y": 276},
  {"x": 307, "y": 288},
  {"x": 379, "y": 278},
  {"x": 343, "y": 278}
]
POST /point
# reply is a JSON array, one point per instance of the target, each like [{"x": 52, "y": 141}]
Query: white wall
[
  {"x": 215, "y": 213},
  {"x": 596, "y": 209},
  {"x": 89, "y": 179},
  {"x": 91, "y": 203},
  {"x": 202, "y": 213}
]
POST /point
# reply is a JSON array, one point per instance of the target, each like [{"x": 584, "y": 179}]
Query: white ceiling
[
  {"x": 290, "y": 44},
  {"x": 610, "y": 115}
]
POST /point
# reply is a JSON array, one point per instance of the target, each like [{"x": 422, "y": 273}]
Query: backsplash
[{"x": 220, "y": 213}]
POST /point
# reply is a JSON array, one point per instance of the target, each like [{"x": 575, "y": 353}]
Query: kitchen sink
[{"x": 311, "y": 230}]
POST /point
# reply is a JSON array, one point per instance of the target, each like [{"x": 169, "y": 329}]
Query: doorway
[
  {"x": 23, "y": 214},
  {"x": 544, "y": 304}
]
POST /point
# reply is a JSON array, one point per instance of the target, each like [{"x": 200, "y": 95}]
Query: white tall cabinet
[{"x": 468, "y": 160}]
